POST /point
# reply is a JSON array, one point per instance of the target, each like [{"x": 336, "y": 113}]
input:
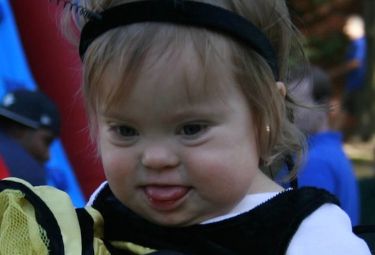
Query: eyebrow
[{"x": 177, "y": 113}]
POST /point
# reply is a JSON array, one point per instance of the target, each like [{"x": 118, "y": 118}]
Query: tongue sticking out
[{"x": 165, "y": 193}]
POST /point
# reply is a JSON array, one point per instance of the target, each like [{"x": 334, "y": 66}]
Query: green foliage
[{"x": 329, "y": 50}]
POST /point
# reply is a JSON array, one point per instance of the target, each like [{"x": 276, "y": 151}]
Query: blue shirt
[
  {"x": 20, "y": 163},
  {"x": 328, "y": 167},
  {"x": 357, "y": 51}
]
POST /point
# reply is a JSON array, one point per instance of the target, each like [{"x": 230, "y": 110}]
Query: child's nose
[{"x": 159, "y": 158}]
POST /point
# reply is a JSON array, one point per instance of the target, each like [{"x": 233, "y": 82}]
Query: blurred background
[
  {"x": 34, "y": 54},
  {"x": 322, "y": 22}
]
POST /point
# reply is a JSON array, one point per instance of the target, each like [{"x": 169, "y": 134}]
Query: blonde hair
[{"x": 126, "y": 49}]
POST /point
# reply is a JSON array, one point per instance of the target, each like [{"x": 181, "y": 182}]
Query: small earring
[{"x": 268, "y": 129}]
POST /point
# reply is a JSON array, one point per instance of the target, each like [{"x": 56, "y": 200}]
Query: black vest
[{"x": 266, "y": 230}]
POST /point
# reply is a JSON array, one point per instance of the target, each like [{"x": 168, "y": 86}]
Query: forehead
[{"x": 180, "y": 73}]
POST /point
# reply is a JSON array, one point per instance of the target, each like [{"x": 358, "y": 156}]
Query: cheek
[
  {"x": 120, "y": 168},
  {"x": 116, "y": 163},
  {"x": 120, "y": 173},
  {"x": 229, "y": 157},
  {"x": 228, "y": 171},
  {"x": 111, "y": 157}
]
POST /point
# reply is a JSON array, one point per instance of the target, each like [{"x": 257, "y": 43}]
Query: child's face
[{"x": 175, "y": 157}]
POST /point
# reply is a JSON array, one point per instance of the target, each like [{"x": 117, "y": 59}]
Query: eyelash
[
  {"x": 202, "y": 127},
  {"x": 119, "y": 130},
  {"x": 188, "y": 131}
]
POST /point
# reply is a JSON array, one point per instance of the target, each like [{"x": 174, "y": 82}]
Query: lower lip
[{"x": 159, "y": 202}]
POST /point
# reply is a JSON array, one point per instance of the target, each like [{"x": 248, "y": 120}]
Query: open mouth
[{"x": 165, "y": 197}]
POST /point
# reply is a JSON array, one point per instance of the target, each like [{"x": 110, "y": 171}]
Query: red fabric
[
  {"x": 4, "y": 172},
  {"x": 56, "y": 69}
]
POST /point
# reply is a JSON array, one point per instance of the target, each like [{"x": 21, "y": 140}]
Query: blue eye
[
  {"x": 193, "y": 129},
  {"x": 126, "y": 131}
]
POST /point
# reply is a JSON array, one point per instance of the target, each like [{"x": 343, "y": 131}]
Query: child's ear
[{"x": 281, "y": 87}]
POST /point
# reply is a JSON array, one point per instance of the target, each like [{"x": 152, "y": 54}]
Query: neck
[{"x": 263, "y": 184}]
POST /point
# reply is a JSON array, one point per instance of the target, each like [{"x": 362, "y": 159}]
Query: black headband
[{"x": 180, "y": 12}]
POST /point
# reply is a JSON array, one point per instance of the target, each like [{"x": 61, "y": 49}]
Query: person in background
[
  {"x": 29, "y": 126},
  {"x": 355, "y": 65},
  {"x": 29, "y": 122},
  {"x": 354, "y": 70},
  {"x": 326, "y": 164}
]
